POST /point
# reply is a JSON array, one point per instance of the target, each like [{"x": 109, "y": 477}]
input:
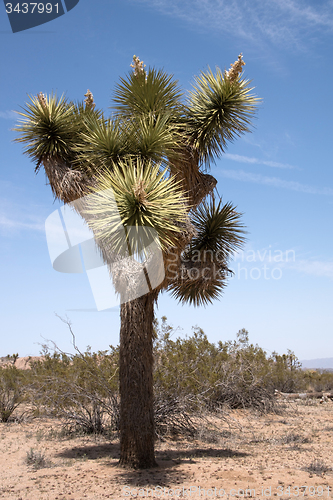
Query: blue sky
[{"x": 280, "y": 176}]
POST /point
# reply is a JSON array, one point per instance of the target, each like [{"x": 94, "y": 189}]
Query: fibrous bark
[{"x": 136, "y": 383}]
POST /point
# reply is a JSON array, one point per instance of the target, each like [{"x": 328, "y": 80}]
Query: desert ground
[{"x": 242, "y": 455}]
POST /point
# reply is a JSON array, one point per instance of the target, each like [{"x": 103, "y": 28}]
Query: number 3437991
[{"x": 31, "y": 8}]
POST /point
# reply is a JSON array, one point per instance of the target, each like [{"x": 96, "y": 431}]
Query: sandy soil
[{"x": 270, "y": 455}]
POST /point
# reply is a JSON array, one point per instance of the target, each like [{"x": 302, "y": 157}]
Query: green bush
[
  {"x": 82, "y": 389},
  {"x": 12, "y": 390},
  {"x": 237, "y": 374},
  {"x": 233, "y": 373},
  {"x": 318, "y": 380},
  {"x": 192, "y": 376}
]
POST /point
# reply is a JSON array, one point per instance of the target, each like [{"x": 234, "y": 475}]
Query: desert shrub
[
  {"x": 12, "y": 391},
  {"x": 36, "y": 459},
  {"x": 191, "y": 376},
  {"x": 81, "y": 389},
  {"x": 172, "y": 415},
  {"x": 233, "y": 373},
  {"x": 286, "y": 373},
  {"x": 294, "y": 438},
  {"x": 183, "y": 367},
  {"x": 244, "y": 376},
  {"x": 318, "y": 380},
  {"x": 318, "y": 467}
]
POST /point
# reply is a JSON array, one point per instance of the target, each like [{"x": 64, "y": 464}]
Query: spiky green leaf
[
  {"x": 50, "y": 128},
  {"x": 144, "y": 197},
  {"x": 199, "y": 285},
  {"x": 101, "y": 143},
  {"x": 203, "y": 272},
  {"x": 220, "y": 231},
  {"x": 219, "y": 110},
  {"x": 144, "y": 94}
]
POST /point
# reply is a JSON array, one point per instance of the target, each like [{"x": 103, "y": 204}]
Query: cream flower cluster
[
  {"x": 42, "y": 99},
  {"x": 235, "y": 69},
  {"x": 138, "y": 66},
  {"x": 89, "y": 100}
]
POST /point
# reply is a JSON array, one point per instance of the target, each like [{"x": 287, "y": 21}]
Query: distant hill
[
  {"x": 323, "y": 363},
  {"x": 21, "y": 363}
]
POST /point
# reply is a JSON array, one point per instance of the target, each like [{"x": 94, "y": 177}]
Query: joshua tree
[{"x": 152, "y": 154}]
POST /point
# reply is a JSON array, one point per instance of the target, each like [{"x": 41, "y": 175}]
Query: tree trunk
[{"x": 137, "y": 432}]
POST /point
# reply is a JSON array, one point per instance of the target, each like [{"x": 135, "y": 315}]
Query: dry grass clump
[
  {"x": 318, "y": 467},
  {"x": 294, "y": 438},
  {"x": 36, "y": 459}
]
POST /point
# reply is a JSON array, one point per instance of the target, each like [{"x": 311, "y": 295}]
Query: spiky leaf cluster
[
  {"x": 150, "y": 104},
  {"x": 199, "y": 286},
  {"x": 50, "y": 127},
  {"x": 101, "y": 144},
  {"x": 139, "y": 197},
  {"x": 220, "y": 231},
  {"x": 219, "y": 110},
  {"x": 204, "y": 272},
  {"x": 152, "y": 93}
]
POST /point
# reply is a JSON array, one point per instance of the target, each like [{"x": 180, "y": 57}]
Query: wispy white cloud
[
  {"x": 247, "y": 159},
  {"x": 314, "y": 267},
  {"x": 321, "y": 16},
  {"x": 280, "y": 21},
  {"x": 8, "y": 115},
  {"x": 12, "y": 224},
  {"x": 240, "y": 175}
]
